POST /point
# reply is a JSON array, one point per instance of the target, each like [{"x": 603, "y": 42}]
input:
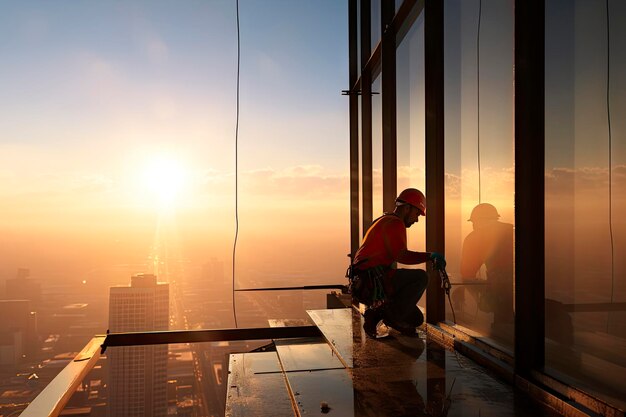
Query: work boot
[
  {"x": 372, "y": 317},
  {"x": 404, "y": 328},
  {"x": 416, "y": 318}
]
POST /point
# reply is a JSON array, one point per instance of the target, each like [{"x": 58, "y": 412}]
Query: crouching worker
[{"x": 392, "y": 294}]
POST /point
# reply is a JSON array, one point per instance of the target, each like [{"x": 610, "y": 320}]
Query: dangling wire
[
  {"x": 608, "y": 116},
  {"x": 236, "y": 163},
  {"x": 480, "y": 9}
]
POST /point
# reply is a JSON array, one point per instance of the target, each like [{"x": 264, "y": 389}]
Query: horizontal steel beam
[
  {"x": 214, "y": 335},
  {"x": 594, "y": 404},
  {"x": 305, "y": 288}
]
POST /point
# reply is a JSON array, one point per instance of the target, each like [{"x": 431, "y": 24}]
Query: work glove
[{"x": 439, "y": 261}]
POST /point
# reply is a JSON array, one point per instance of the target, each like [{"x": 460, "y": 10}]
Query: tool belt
[{"x": 367, "y": 285}]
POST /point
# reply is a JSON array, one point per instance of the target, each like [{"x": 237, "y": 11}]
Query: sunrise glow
[{"x": 165, "y": 178}]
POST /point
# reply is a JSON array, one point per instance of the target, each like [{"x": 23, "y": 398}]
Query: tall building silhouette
[
  {"x": 18, "y": 331},
  {"x": 138, "y": 375},
  {"x": 22, "y": 287}
]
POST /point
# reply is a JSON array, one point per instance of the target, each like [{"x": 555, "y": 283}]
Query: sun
[{"x": 165, "y": 178}]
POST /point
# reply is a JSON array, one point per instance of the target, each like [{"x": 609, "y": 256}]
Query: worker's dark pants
[{"x": 408, "y": 285}]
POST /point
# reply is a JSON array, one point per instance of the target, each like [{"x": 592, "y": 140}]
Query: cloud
[
  {"x": 591, "y": 180},
  {"x": 295, "y": 183},
  {"x": 452, "y": 185},
  {"x": 494, "y": 183},
  {"x": 410, "y": 173}
]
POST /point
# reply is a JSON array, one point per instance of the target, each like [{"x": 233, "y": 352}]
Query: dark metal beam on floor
[{"x": 212, "y": 335}]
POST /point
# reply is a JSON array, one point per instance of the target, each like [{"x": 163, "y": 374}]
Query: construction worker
[
  {"x": 490, "y": 244},
  {"x": 384, "y": 245}
]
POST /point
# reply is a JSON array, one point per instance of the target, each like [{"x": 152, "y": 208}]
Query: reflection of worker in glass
[{"x": 490, "y": 244}]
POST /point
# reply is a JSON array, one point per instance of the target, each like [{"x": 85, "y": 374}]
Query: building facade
[
  {"x": 515, "y": 108},
  {"x": 138, "y": 374}
]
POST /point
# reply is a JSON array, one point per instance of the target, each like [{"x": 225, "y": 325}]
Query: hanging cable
[
  {"x": 608, "y": 116},
  {"x": 236, "y": 162},
  {"x": 480, "y": 9},
  {"x": 445, "y": 284}
]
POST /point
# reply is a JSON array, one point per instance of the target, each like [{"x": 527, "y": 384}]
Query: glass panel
[
  {"x": 411, "y": 125},
  {"x": 585, "y": 197},
  {"x": 377, "y": 149},
  {"x": 361, "y": 231},
  {"x": 358, "y": 38},
  {"x": 375, "y": 22},
  {"x": 479, "y": 166},
  {"x": 254, "y": 309}
]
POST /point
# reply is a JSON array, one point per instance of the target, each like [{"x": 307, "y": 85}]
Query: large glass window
[
  {"x": 375, "y": 22},
  {"x": 411, "y": 124},
  {"x": 479, "y": 165},
  {"x": 361, "y": 193},
  {"x": 358, "y": 39},
  {"x": 586, "y": 195},
  {"x": 377, "y": 149}
]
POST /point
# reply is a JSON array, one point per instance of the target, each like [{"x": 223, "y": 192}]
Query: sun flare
[{"x": 165, "y": 178}]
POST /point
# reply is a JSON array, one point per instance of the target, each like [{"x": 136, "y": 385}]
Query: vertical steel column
[
  {"x": 529, "y": 185},
  {"x": 354, "y": 127},
  {"x": 388, "y": 86},
  {"x": 366, "y": 113},
  {"x": 433, "y": 69}
]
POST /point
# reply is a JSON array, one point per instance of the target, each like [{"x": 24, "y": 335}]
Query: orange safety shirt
[{"x": 385, "y": 243}]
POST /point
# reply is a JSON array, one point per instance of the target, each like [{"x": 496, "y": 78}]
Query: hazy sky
[{"x": 110, "y": 109}]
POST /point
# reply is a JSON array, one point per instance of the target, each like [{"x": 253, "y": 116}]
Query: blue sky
[{"x": 94, "y": 74}]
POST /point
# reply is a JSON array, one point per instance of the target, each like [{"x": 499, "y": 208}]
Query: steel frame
[
  {"x": 434, "y": 102},
  {"x": 529, "y": 186},
  {"x": 354, "y": 127}
]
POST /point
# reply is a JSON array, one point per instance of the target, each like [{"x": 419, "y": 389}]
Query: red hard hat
[{"x": 413, "y": 197}]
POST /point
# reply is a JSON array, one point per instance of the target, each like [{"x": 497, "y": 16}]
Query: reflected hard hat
[
  {"x": 413, "y": 197},
  {"x": 484, "y": 211}
]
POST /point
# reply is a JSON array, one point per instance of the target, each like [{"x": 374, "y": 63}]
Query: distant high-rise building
[
  {"x": 138, "y": 374},
  {"x": 18, "y": 331},
  {"x": 22, "y": 287}
]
